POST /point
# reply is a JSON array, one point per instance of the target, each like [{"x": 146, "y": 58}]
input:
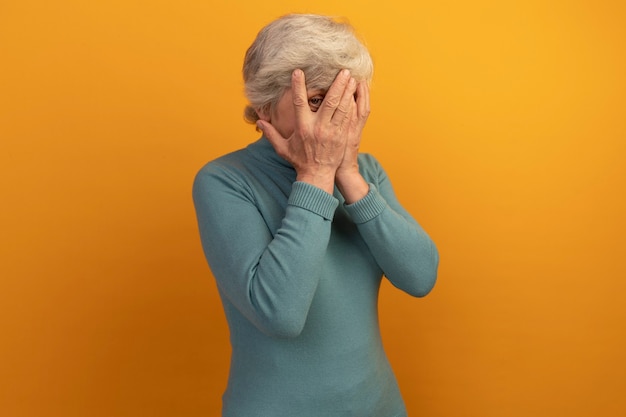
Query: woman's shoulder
[
  {"x": 368, "y": 159},
  {"x": 225, "y": 169},
  {"x": 369, "y": 167}
]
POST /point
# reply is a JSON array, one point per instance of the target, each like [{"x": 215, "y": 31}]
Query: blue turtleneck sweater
[{"x": 298, "y": 272}]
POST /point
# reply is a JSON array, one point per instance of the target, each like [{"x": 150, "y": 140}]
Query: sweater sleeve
[
  {"x": 401, "y": 247},
  {"x": 271, "y": 280}
]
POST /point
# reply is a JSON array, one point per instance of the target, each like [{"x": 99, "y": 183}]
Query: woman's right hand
[{"x": 317, "y": 144}]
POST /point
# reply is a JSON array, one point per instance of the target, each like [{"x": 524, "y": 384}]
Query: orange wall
[{"x": 502, "y": 125}]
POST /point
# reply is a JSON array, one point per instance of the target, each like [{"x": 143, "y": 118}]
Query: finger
[
  {"x": 345, "y": 104},
  {"x": 353, "y": 123},
  {"x": 334, "y": 95},
  {"x": 300, "y": 99},
  {"x": 363, "y": 102},
  {"x": 276, "y": 139}
]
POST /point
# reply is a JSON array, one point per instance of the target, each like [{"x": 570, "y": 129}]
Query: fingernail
[
  {"x": 259, "y": 124},
  {"x": 297, "y": 72},
  {"x": 345, "y": 72}
]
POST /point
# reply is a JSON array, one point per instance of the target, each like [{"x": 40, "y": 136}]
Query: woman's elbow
[
  {"x": 425, "y": 287},
  {"x": 426, "y": 275}
]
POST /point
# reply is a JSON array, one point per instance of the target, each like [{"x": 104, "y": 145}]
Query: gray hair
[{"x": 318, "y": 45}]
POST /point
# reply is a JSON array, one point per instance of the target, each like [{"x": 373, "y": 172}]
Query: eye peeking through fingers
[{"x": 315, "y": 102}]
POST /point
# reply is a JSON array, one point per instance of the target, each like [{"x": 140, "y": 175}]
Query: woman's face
[{"x": 283, "y": 116}]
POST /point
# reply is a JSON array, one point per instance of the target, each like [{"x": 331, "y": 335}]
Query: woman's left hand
[{"x": 351, "y": 184}]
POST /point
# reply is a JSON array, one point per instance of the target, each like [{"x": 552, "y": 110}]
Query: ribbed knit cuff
[
  {"x": 314, "y": 199},
  {"x": 368, "y": 207}
]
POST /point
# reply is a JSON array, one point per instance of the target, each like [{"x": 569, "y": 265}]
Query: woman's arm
[
  {"x": 402, "y": 249},
  {"x": 271, "y": 280},
  {"x": 400, "y": 246}
]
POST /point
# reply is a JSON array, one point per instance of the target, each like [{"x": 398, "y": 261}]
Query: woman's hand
[
  {"x": 351, "y": 184},
  {"x": 316, "y": 148}
]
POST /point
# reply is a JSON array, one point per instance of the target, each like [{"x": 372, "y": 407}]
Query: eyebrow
[{"x": 317, "y": 91}]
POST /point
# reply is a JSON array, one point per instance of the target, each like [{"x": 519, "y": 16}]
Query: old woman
[{"x": 299, "y": 228}]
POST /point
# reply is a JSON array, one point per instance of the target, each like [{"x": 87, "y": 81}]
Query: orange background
[{"x": 501, "y": 124}]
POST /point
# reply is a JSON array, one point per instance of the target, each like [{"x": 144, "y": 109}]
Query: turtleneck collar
[{"x": 263, "y": 150}]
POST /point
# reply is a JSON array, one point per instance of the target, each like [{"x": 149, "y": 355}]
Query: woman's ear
[{"x": 264, "y": 113}]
